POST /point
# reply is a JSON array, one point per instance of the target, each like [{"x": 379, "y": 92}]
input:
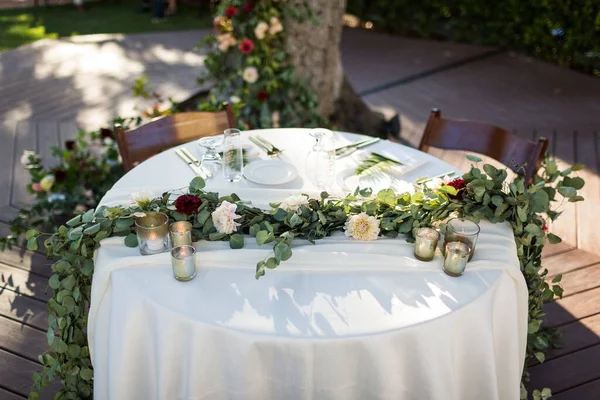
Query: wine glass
[
  {"x": 211, "y": 160},
  {"x": 320, "y": 161}
]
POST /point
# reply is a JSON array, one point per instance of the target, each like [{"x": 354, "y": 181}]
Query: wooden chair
[
  {"x": 522, "y": 156},
  {"x": 136, "y": 145}
]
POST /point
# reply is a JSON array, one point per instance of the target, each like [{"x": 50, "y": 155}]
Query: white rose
[
  {"x": 261, "y": 30},
  {"x": 250, "y": 74},
  {"x": 235, "y": 99}
]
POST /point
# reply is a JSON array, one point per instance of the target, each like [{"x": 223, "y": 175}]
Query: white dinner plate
[{"x": 270, "y": 172}]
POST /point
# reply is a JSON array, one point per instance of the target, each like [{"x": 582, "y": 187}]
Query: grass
[{"x": 26, "y": 25}]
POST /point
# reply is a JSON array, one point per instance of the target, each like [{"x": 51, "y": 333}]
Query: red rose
[
  {"x": 70, "y": 145},
  {"x": 246, "y": 46},
  {"x": 248, "y": 7},
  {"x": 60, "y": 175},
  {"x": 187, "y": 204},
  {"x": 545, "y": 227},
  {"x": 262, "y": 95},
  {"x": 459, "y": 184},
  {"x": 231, "y": 11}
]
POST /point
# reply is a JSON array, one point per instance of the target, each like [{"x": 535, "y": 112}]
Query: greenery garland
[{"x": 479, "y": 194}]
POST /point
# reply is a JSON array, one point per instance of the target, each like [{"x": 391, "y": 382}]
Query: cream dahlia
[{"x": 362, "y": 227}]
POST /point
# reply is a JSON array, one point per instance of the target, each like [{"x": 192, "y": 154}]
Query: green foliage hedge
[{"x": 562, "y": 31}]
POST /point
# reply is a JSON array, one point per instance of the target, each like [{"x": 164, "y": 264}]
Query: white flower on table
[
  {"x": 224, "y": 218},
  {"x": 250, "y": 74},
  {"x": 437, "y": 183},
  {"x": 294, "y": 202},
  {"x": 142, "y": 198},
  {"x": 362, "y": 227}
]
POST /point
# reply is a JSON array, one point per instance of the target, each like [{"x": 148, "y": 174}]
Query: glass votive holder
[
  {"x": 181, "y": 233},
  {"x": 152, "y": 233},
  {"x": 183, "y": 260},
  {"x": 426, "y": 240},
  {"x": 456, "y": 258},
  {"x": 462, "y": 230}
]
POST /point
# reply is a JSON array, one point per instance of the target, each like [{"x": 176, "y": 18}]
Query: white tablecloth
[{"x": 339, "y": 320}]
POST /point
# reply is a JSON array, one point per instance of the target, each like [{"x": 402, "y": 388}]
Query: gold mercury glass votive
[
  {"x": 181, "y": 233},
  {"x": 457, "y": 256},
  {"x": 426, "y": 240},
  {"x": 183, "y": 260},
  {"x": 152, "y": 233},
  {"x": 462, "y": 230}
]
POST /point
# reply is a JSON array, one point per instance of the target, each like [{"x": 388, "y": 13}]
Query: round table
[{"x": 340, "y": 320}]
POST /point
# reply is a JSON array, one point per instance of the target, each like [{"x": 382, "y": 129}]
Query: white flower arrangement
[
  {"x": 224, "y": 218},
  {"x": 294, "y": 202},
  {"x": 362, "y": 227}
]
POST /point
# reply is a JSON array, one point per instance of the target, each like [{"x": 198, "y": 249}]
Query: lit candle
[
  {"x": 155, "y": 244},
  {"x": 455, "y": 261},
  {"x": 181, "y": 233},
  {"x": 462, "y": 230},
  {"x": 152, "y": 233},
  {"x": 426, "y": 240},
  {"x": 183, "y": 260}
]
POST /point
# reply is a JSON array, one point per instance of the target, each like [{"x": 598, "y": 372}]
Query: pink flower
[
  {"x": 246, "y": 46},
  {"x": 224, "y": 218},
  {"x": 36, "y": 187}
]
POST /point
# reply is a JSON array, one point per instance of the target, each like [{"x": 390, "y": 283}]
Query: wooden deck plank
[
  {"x": 16, "y": 373},
  {"x": 588, "y": 234},
  {"x": 21, "y": 339},
  {"x": 550, "y": 250},
  {"x": 567, "y": 372},
  {"x": 588, "y": 391},
  {"x": 25, "y": 140},
  {"x": 581, "y": 280},
  {"x": 577, "y": 335},
  {"x": 23, "y": 309},
  {"x": 47, "y": 138},
  {"x": 6, "y": 395},
  {"x": 572, "y": 308},
  {"x": 27, "y": 261},
  {"x": 564, "y": 227},
  {"x": 569, "y": 261},
  {"x": 24, "y": 282},
  {"x": 7, "y": 155}
]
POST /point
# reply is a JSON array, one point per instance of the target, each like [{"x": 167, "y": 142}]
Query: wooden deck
[{"x": 406, "y": 75}]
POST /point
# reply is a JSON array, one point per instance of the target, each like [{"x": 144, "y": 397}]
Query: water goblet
[{"x": 211, "y": 160}]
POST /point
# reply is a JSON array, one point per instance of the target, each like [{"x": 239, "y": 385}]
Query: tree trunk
[{"x": 315, "y": 52}]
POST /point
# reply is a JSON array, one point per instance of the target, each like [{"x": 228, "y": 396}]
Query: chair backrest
[
  {"x": 136, "y": 145},
  {"x": 522, "y": 156}
]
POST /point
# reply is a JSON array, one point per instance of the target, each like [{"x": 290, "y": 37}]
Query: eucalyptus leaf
[
  {"x": 236, "y": 241},
  {"x": 197, "y": 184},
  {"x": 473, "y": 158},
  {"x": 131, "y": 240},
  {"x": 553, "y": 239}
]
